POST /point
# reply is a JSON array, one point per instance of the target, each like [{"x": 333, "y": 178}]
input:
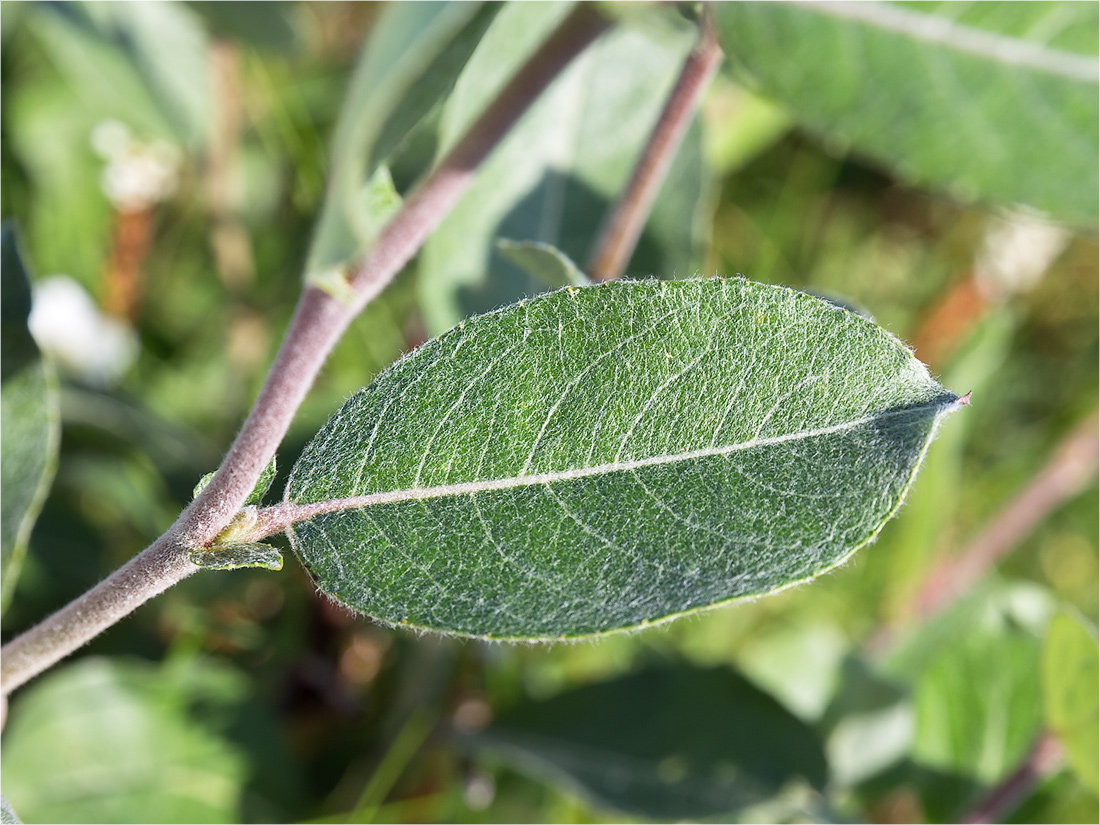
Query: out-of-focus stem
[{"x": 623, "y": 226}]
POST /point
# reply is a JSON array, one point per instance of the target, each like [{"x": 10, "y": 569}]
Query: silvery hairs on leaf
[{"x": 602, "y": 458}]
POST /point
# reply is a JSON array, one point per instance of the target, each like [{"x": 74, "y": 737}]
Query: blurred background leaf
[
  {"x": 141, "y": 743},
  {"x": 1071, "y": 687},
  {"x": 410, "y": 61},
  {"x": 978, "y": 100},
  {"x": 664, "y": 743},
  {"x": 559, "y": 171}
]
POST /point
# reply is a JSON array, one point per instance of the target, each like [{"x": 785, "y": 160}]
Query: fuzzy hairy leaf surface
[
  {"x": 603, "y": 457},
  {"x": 992, "y": 101},
  {"x": 29, "y": 417}
]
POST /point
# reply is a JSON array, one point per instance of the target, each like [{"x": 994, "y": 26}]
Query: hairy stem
[
  {"x": 318, "y": 323},
  {"x": 623, "y": 226}
]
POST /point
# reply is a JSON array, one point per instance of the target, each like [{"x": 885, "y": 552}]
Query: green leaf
[
  {"x": 29, "y": 418},
  {"x": 410, "y": 61},
  {"x": 992, "y": 101},
  {"x": 668, "y": 744},
  {"x": 107, "y": 741},
  {"x": 544, "y": 262},
  {"x": 263, "y": 483},
  {"x": 556, "y": 174},
  {"x": 1071, "y": 684},
  {"x": 600, "y": 458},
  {"x": 869, "y": 725},
  {"x": 977, "y": 701},
  {"x": 237, "y": 556}
]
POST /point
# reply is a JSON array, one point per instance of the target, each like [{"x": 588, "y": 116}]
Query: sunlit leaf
[
  {"x": 103, "y": 741},
  {"x": 992, "y": 101},
  {"x": 604, "y": 457},
  {"x": 1071, "y": 685},
  {"x": 977, "y": 698},
  {"x": 7, "y": 814}
]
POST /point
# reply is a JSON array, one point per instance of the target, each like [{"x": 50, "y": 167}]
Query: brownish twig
[
  {"x": 1070, "y": 468},
  {"x": 318, "y": 323},
  {"x": 1042, "y": 760},
  {"x": 623, "y": 226}
]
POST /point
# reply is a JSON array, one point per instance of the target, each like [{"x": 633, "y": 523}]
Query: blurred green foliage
[{"x": 297, "y": 703}]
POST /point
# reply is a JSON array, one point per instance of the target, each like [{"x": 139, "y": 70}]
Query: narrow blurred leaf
[
  {"x": 553, "y": 178},
  {"x": 993, "y": 101},
  {"x": 29, "y": 417},
  {"x": 412, "y": 56},
  {"x": 237, "y": 556},
  {"x": 107, "y": 741},
  {"x": 1071, "y": 685},
  {"x": 603, "y": 457},
  {"x": 143, "y": 63},
  {"x": 544, "y": 262},
  {"x": 666, "y": 744},
  {"x": 263, "y": 483}
]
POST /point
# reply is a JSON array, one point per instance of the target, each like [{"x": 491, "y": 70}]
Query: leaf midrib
[
  {"x": 961, "y": 37},
  {"x": 301, "y": 512}
]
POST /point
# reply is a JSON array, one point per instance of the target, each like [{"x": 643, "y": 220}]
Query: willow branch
[
  {"x": 318, "y": 323},
  {"x": 623, "y": 226}
]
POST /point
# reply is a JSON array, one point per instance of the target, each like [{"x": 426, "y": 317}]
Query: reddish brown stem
[
  {"x": 1041, "y": 761},
  {"x": 1071, "y": 466},
  {"x": 318, "y": 323},
  {"x": 623, "y": 226}
]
